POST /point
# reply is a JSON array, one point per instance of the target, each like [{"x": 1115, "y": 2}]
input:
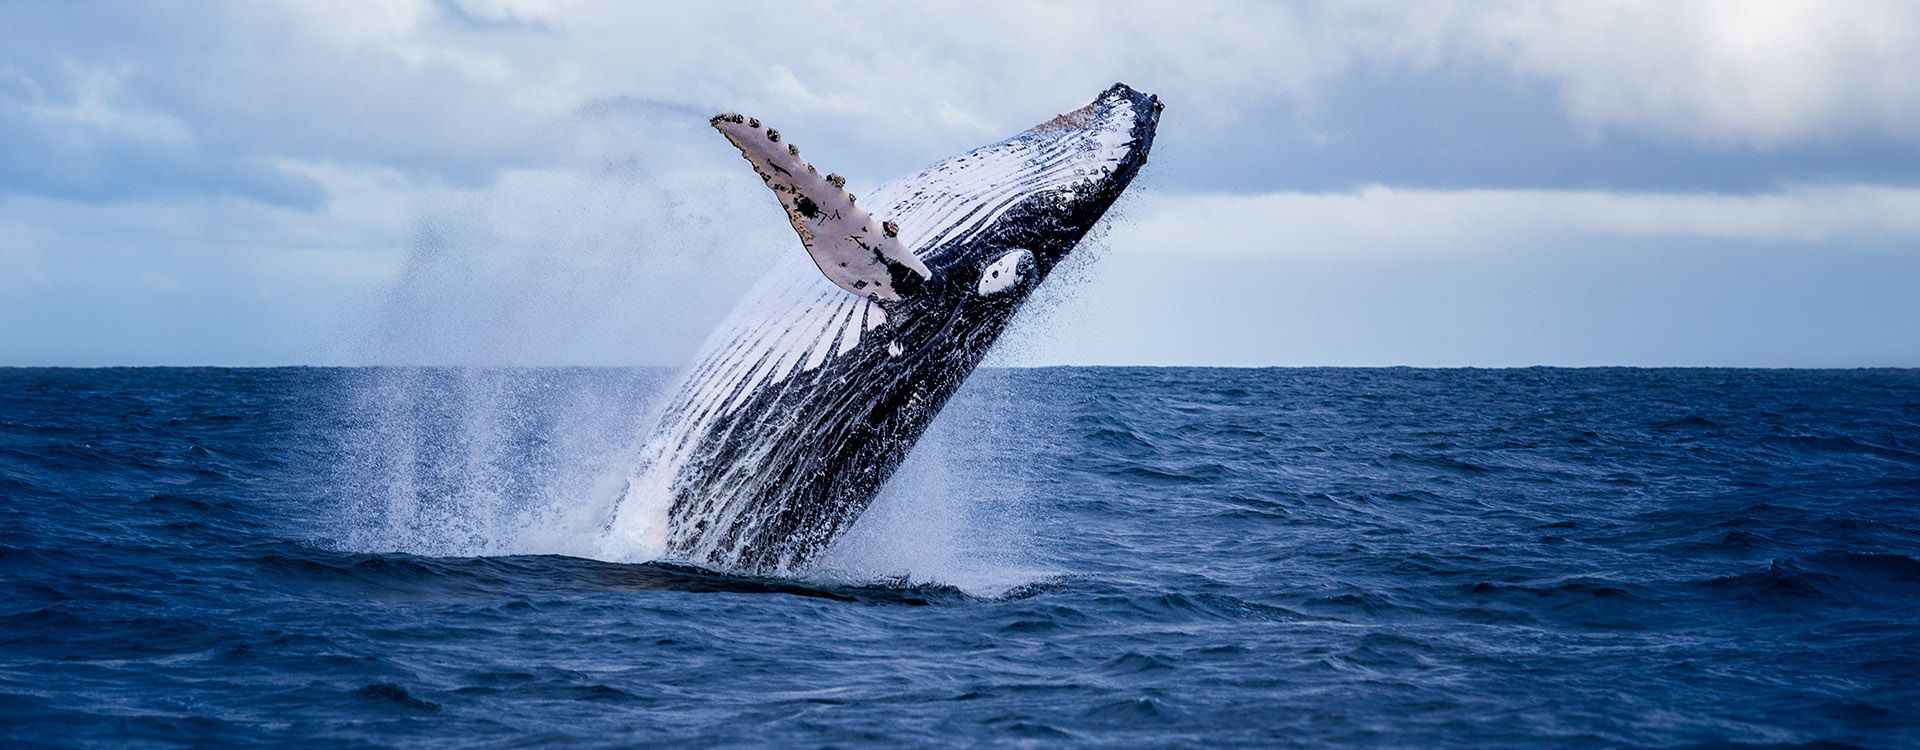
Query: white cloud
[
  {"x": 1384, "y": 222},
  {"x": 1754, "y": 74}
]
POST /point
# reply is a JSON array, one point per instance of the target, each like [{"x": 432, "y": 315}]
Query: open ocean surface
[{"x": 1113, "y": 557}]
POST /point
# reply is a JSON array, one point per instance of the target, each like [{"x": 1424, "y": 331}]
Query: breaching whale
[{"x": 804, "y": 401}]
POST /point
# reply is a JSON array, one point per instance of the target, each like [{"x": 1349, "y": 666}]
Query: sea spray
[
  {"x": 467, "y": 461},
  {"x": 586, "y": 261},
  {"x": 581, "y": 266},
  {"x": 954, "y": 514}
]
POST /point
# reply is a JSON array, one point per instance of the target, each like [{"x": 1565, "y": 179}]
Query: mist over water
[
  {"x": 955, "y": 513},
  {"x": 624, "y": 259},
  {"x": 469, "y": 462},
  {"x": 466, "y": 457},
  {"x": 474, "y": 456},
  {"x": 463, "y": 462}
]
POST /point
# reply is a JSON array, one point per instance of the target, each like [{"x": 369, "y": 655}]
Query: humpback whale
[{"x": 804, "y": 401}]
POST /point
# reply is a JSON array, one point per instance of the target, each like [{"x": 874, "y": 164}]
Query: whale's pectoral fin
[{"x": 856, "y": 251}]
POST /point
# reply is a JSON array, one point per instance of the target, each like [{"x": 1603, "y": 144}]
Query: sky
[{"x": 533, "y": 182}]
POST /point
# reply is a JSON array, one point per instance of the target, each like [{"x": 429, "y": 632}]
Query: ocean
[{"x": 1108, "y": 557}]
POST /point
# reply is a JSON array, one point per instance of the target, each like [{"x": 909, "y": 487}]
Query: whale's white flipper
[{"x": 857, "y": 252}]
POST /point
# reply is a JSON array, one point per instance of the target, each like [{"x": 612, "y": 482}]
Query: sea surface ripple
[{"x": 1079, "y": 556}]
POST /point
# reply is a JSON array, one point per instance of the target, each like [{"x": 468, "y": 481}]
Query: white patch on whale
[{"x": 1003, "y": 273}]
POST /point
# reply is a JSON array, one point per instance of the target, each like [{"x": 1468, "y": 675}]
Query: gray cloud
[
  {"x": 123, "y": 101},
  {"x": 1625, "y": 96}
]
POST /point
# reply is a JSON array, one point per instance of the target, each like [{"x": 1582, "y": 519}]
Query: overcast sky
[{"x": 506, "y": 182}]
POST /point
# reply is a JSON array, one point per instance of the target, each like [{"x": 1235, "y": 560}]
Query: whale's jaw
[
  {"x": 1049, "y": 184},
  {"x": 808, "y": 398}
]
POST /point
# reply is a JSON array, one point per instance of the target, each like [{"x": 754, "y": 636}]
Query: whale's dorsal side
[{"x": 857, "y": 252}]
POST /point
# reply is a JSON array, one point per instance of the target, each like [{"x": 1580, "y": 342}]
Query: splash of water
[
  {"x": 941, "y": 520},
  {"x": 474, "y": 462},
  {"x": 546, "y": 267},
  {"x": 579, "y": 262},
  {"x": 480, "y": 462}
]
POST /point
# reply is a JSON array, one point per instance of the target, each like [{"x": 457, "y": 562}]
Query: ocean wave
[{"x": 1156, "y": 557}]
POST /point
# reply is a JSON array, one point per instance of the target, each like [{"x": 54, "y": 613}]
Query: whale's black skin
[{"x": 769, "y": 484}]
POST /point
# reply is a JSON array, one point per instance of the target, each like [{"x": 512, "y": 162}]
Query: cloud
[
  {"x": 85, "y": 140},
  {"x": 1812, "y": 276},
  {"x": 1384, "y": 222},
  {"x": 295, "y": 164},
  {"x": 135, "y": 100},
  {"x": 1573, "y": 301},
  {"x": 1739, "y": 74}
]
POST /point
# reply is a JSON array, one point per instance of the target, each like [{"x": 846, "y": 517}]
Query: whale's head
[{"x": 993, "y": 222}]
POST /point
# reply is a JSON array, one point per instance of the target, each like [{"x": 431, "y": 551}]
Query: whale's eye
[{"x": 1004, "y": 272}]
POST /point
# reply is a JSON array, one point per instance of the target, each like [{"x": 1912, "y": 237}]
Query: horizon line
[{"x": 5, "y": 367}]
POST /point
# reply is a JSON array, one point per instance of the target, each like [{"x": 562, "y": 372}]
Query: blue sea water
[{"x": 1104, "y": 557}]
